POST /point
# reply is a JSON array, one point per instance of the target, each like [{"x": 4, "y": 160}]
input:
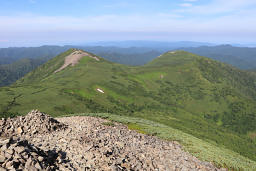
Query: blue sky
[{"x": 37, "y": 22}]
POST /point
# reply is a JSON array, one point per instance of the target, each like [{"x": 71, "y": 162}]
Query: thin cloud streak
[
  {"x": 158, "y": 22},
  {"x": 218, "y": 7},
  {"x": 186, "y": 5}
]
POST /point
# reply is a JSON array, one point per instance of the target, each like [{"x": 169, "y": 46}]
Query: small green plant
[
  {"x": 109, "y": 123},
  {"x": 9, "y": 115},
  {"x": 134, "y": 126}
]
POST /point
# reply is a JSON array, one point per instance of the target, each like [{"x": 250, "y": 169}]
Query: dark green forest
[{"x": 240, "y": 57}]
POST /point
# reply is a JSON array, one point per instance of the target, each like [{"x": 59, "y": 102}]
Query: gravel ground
[{"x": 86, "y": 143}]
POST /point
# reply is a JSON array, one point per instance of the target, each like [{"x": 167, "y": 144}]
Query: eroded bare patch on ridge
[
  {"x": 172, "y": 52},
  {"x": 74, "y": 58}
]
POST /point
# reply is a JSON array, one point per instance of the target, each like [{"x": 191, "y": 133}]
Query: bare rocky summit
[
  {"x": 86, "y": 143},
  {"x": 33, "y": 123}
]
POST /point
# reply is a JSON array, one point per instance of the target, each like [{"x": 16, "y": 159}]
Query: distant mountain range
[{"x": 156, "y": 45}]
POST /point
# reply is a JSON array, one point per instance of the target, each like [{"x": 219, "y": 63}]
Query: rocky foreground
[{"x": 38, "y": 142}]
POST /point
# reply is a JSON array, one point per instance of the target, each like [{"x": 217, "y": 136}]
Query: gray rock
[
  {"x": 9, "y": 164},
  {"x": 19, "y": 130},
  {"x": 38, "y": 166},
  {"x": 7, "y": 141},
  {"x": 4, "y": 147},
  {"x": 2, "y": 159},
  {"x": 7, "y": 155},
  {"x": 2, "y": 169},
  {"x": 20, "y": 149},
  {"x": 84, "y": 143},
  {"x": 40, "y": 158}
]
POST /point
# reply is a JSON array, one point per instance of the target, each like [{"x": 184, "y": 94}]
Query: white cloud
[
  {"x": 219, "y": 6},
  {"x": 190, "y": 0},
  {"x": 118, "y": 5},
  {"x": 186, "y": 5},
  {"x": 237, "y": 16},
  {"x": 220, "y": 17},
  {"x": 32, "y": 1},
  {"x": 239, "y": 22}
]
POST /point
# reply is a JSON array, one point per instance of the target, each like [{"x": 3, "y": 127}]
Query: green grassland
[{"x": 205, "y": 99}]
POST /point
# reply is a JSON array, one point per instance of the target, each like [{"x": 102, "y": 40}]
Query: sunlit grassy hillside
[{"x": 196, "y": 95}]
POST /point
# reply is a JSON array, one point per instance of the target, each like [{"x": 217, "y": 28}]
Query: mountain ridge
[
  {"x": 240, "y": 57},
  {"x": 194, "y": 94}
]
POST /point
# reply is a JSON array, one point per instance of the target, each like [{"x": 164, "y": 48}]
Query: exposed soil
[
  {"x": 74, "y": 58},
  {"x": 172, "y": 52}
]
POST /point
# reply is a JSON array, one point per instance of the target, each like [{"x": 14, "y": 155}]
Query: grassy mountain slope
[
  {"x": 241, "y": 57},
  {"x": 16, "y": 62},
  {"x": 205, "y": 98}
]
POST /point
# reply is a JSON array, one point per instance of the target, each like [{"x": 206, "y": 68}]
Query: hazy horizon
[
  {"x": 121, "y": 44},
  {"x": 75, "y": 22}
]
